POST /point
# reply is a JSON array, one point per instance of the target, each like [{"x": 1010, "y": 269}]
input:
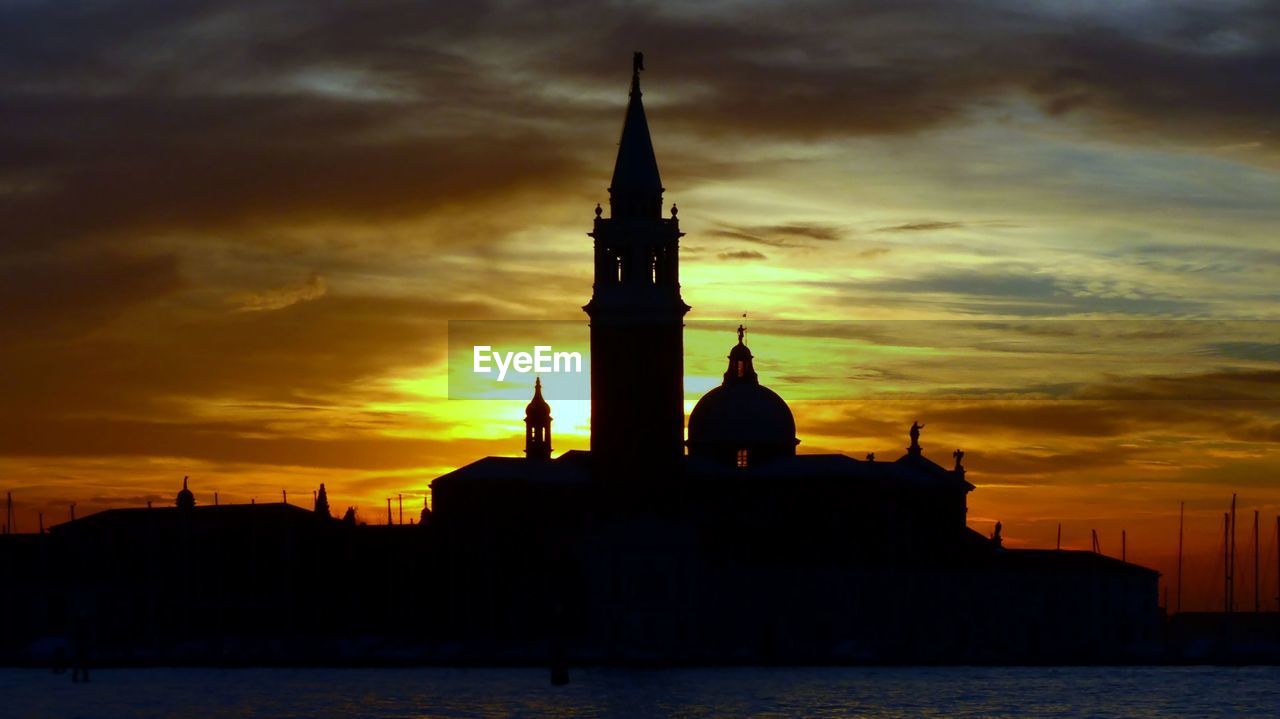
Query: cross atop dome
[{"x": 741, "y": 362}]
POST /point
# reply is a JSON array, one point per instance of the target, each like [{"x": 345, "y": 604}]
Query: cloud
[
  {"x": 1019, "y": 290},
  {"x": 742, "y": 255},
  {"x": 278, "y": 298},
  {"x": 59, "y": 297},
  {"x": 782, "y": 235},
  {"x": 922, "y": 227}
]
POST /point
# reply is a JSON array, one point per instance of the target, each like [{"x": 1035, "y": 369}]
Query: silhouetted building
[{"x": 741, "y": 550}]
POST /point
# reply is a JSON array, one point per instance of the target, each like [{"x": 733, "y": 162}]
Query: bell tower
[{"x": 637, "y": 314}]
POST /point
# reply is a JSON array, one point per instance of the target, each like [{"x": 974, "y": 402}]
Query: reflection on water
[{"x": 836, "y": 692}]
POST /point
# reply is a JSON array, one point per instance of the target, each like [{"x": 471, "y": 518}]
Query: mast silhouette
[
  {"x": 1226, "y": 562},
  {"x": 1257, "y": 595},
  {"x": 1182, "y": 508},
  {"x": 1232, "y": 572}
]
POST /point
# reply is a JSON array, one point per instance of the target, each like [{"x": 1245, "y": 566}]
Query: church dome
[{"x": 742, "y": 422}]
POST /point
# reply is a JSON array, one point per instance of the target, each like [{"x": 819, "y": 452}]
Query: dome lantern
[{"x": 742, "y": 423}]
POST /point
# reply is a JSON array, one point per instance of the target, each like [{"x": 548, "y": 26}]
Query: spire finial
[
  {"x": 637, "y": 63},
  {"x": 636, "y": 189}
]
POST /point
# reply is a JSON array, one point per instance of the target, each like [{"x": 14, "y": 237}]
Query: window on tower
[
  {"x": 742, "y": 370},
  {"x": 742, "y": 458}
]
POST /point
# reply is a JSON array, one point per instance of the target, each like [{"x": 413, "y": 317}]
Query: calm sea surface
[{"x": 948, "y": 692}]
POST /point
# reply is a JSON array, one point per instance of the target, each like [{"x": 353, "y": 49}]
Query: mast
[
  {"x": 1059, "y": 536},
  {"x": 1124, "y": 546},
  {"x": 1257, "y": 576},
  {"x": 1232, "y": 574},
  {"x": 1182, "y": 508},
  {"x": 1226, "y": 562}
]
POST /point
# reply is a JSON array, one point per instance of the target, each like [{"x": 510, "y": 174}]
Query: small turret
[{"x": 537, "y": 425}]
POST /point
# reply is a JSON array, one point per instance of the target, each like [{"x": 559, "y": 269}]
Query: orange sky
[{"x": 235, "y": 232}]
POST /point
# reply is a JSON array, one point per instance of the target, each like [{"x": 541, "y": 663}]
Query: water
[{"x": 820, "y": 692}]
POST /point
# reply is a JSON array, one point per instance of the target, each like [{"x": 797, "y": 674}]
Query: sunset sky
[{"x": 232, "y": 235}]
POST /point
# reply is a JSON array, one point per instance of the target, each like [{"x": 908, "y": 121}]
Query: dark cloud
[
  {"x": 742, "y": 255},
  {"x": 52, "y": 297},
  {"x": 248, "y": 443},
  {"x": 1263, "y": 351},
  {"x": 922, "y": 227},
  {"x": 785, "y": 235},
  {"x": 1011, "y": 289}
]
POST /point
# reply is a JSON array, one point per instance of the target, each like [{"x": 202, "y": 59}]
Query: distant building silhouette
[{"x": 740, "y": 550}]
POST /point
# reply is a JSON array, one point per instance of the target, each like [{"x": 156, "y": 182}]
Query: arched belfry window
[
  {"x": 742, "y": 458},
  {"x": 742, "y": 370}
]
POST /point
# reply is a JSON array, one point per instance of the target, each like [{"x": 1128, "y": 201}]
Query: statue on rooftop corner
[{"x": 915, "y": 435}]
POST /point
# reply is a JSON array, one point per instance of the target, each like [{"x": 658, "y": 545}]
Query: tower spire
[{"x": 636, "y": 189}]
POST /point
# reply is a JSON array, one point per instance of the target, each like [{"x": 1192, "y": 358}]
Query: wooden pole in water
[
  {"x": 1124, "y": 546},
  {"x": 40, "y": 518},
  {"x": 388, "y": 511},
  {"x": 8, "y": 513},
  {"x": 73, "y": 511},
  {"x": 1059, "y": 536}
]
